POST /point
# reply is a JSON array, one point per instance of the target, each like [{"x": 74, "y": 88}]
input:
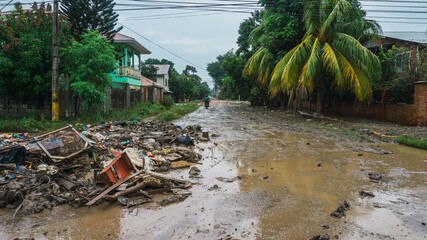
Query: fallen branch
[
  {"x": 19, "y": 207},
  {"x": 128, "y": 191},
  {"x": 111, "y": 189},
  {"x": 166, "y": 177}
]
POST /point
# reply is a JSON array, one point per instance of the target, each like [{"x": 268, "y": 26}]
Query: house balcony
[{"x": 125, "y": 71}]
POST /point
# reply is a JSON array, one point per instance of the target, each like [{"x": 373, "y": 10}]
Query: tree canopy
[
  {"x": 329, "y": 46},
  {"x": 85, "y": 15},
  {"x": 149, "y": 71},
  {"x": 88, "y": 63},
  {"x": 186, "y": 85},
  {"x": 26, "y": 51},
  {"x": 215, "y": 70}
]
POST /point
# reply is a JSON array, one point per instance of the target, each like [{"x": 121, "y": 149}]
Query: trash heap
[{"x": 109, "y": 162}]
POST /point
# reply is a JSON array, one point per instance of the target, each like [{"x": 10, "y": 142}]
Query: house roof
[
  {"x": 147, "y": 82},
  {"x": 162, "y": 69},
  {"x": 121, "y": 38},
  {"x": 418, "y": 37}
]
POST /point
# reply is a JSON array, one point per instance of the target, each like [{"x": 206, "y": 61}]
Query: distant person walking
[{"x": 207, "y": 100}]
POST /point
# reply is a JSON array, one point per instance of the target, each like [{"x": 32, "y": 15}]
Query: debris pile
[{"x": 108, "y": 162}]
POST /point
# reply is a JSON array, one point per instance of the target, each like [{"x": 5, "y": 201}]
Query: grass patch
[
  {"x": 412, "y": 141},
  {"x": 177, "y": 111},
  {"x": 137, "y": 112},
  {"x": 351, "y": 133}
]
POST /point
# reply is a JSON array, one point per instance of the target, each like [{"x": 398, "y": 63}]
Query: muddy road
[{"x": 263, "y": 177}]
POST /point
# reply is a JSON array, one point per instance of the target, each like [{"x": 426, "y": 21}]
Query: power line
[
  {"x": 176, "y": 55},
  {"x": 6, "y": 5},
  {"x": 160, "y": 17},
  {"x": 402, "y": 22}
]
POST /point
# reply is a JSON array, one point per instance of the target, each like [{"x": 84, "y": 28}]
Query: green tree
[
  {"x": 85, "y": 15},
  {"x": 330, "y": 46},
  {"x": 88, "y": 63},
  {"x": 203, "y": 90},
  {"x": 163, "y": 61},
  {"x": 387, "y": 59},
  {"x": 149, "y": 71},
  {"x": 215, "y": 70},
  {"x": 26, "y": 51},
  {"x": 245, "y": 30},
  {"x": 282, "y": 26},
  {"x": 273, "y": 32},
  {"x": 394, "y": 86},
  {"x": 236, "y": 86}
]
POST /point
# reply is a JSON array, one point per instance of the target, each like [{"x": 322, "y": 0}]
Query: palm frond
[
  {"x": 352, "y": 48},
  {"x": 285, "y": 74},
  {"x": 331, "y": 64},
  {"x": 257, "y": 33},
  {"x": 355, "y": 78},
  {"x": 259, "y": 66},
  {"x": 265, "y": 68},
  {"x": 313, "y": 65},
  {"x": 311, "y": 17},
  {"x": 341, "y": 8}
]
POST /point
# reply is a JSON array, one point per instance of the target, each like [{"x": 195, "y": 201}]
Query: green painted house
[{"x": 128, "y": 69}]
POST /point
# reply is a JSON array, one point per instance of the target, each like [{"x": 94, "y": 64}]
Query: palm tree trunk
[
  {"x": 283, "y": 101},
  {"x": 319, "y": 99},
  {"x": 298, "y": 99},
  {"x": 383, "y": 95}
]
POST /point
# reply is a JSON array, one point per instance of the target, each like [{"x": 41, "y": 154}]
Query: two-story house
[
  {"x": 156, "y": 90},
  {"x": 127, "y": 86}
]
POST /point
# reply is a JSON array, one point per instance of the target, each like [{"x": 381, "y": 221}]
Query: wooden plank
[
  {"x": 55, "y": 131},
  {"x": 112, "y": 188}
]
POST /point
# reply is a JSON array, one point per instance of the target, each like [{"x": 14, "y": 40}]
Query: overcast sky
[{"x": 200, "y": 36}]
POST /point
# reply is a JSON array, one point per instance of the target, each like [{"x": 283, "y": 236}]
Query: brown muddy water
[{"x": 290, "y": 183}]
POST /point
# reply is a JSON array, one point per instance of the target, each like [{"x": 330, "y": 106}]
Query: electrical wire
[
  {"x": 176, "y": 55},
  {"x": 6, "y": 5},
  {"x": 234, "y": 7}
]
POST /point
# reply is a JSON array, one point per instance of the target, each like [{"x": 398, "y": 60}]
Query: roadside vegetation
[
  {"x": 186, "y": 86},
  {"x": 294, "y": 50},
  {"x": 139, "y": 112},
  {"x": 412, "y": 141},
  {"x": 87, "y": 57}
]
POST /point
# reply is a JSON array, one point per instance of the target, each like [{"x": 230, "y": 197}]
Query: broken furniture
[
  {"x": 60, "y": 158},
  {"x": 120, "y": 168}
]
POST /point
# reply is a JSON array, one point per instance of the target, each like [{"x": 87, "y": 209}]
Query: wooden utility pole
[{"x": 55, "y": 67}]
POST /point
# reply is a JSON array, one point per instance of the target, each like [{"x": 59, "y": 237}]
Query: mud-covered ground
[
  {"x": 268, "y": 175},
  {"x": 344, "y": 129}
]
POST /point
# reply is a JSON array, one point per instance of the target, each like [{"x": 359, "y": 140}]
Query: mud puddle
[{"x": 261, "y": 183}]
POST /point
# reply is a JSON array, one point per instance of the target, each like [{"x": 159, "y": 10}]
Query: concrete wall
[
  {"x": 118, "y": 97},
  {"x": 10, "y": 108}
]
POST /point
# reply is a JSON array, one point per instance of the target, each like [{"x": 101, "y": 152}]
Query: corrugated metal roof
[
  {"x": 162, "y": 69},
  {"x": 146, "y": 82},
  {"x": 121, "y": 38},
  {"x": 419, "y": 37}
]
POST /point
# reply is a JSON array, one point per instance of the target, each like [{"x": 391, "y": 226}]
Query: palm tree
[{"x": 330, "y": 46}]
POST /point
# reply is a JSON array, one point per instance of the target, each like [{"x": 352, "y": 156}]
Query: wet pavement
[{"x": 260, "y": 181}]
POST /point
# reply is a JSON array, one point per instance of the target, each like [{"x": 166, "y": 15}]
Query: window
[{"x": 403, "y": 62}]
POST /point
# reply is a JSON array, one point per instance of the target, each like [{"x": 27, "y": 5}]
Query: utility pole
[{"x": 55, "y": 68}]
